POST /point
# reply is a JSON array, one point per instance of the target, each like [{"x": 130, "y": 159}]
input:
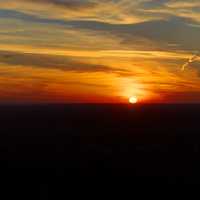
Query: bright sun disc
[{"x": 133, "y": 100}]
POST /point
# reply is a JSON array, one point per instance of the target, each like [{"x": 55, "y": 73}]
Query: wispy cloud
[
  {"x": 63, "y": 63},
  {"x": 191, "y": 60},
  {"x": 122, "y": 11}
]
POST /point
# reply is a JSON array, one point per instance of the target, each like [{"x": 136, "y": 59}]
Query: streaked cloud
[
  {"x": 54, "y": 62},
  {"x": 122, "y": 11}
]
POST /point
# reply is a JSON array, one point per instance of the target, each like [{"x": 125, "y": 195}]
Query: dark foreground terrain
[{"x": 49, "y": 143}]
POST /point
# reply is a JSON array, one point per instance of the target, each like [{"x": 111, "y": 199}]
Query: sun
[{"x": 133, "y": 100}]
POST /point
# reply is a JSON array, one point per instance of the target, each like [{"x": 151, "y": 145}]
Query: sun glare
[{"x": 133, "y": 100}]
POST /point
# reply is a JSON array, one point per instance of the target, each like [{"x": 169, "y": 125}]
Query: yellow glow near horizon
[{"x": 133, "y": 100}]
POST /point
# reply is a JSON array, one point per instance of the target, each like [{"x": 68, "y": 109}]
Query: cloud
[
  {"x": 168, "y": 8},
  {"x": 74, "y": 5},
  {"x": 152, "y": 4},
  {"x": 68, "y": 4},
  {"x": 110, "y": 11},
  {"x": 163, "y": 31},
  {"x": 123, "y": 11},
  {"x": 175, "y": 31},
  {"x": 191, "y": 60},
  {"x": 63, "y": 63}
]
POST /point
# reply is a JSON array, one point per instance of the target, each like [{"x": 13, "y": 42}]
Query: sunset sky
[{"x": 105, "y": 51}]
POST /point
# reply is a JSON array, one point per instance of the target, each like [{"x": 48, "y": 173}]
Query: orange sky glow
[{"x": 83, "y": 53}]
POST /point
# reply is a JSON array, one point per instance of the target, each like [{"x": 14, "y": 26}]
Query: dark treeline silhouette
[{"x": 48, "y": 143}]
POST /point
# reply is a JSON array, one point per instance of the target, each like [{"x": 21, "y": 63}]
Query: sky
[{"x": 99, "y": 51}]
